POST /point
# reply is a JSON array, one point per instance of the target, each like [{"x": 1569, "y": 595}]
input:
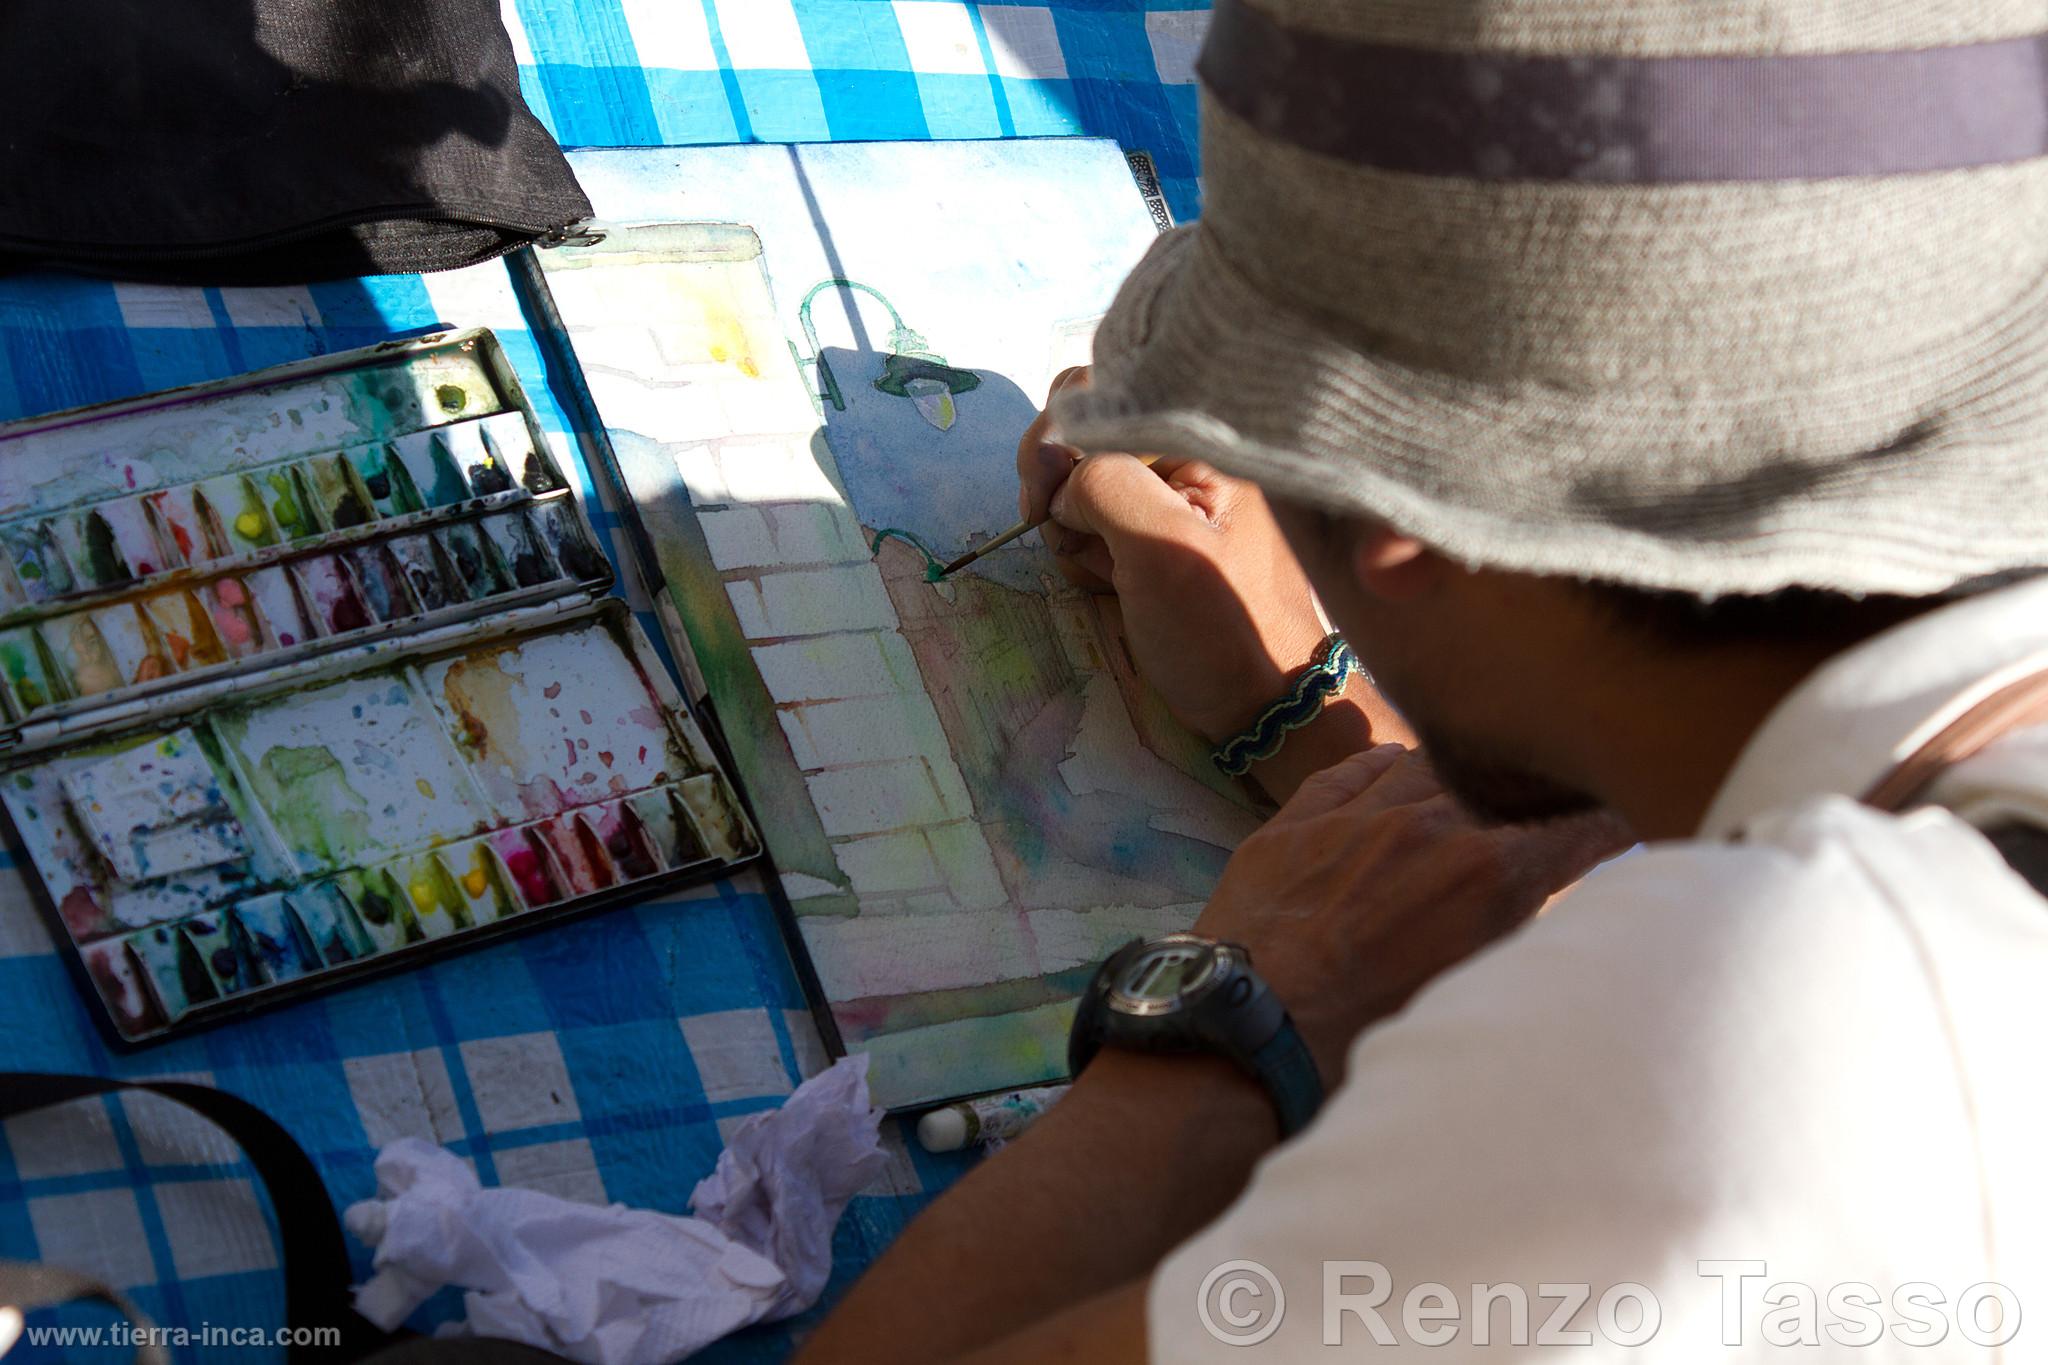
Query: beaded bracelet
[{"x": 1312, "y": 687}]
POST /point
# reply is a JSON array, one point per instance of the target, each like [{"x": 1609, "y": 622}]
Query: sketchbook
[
  {"x": 806, "y": 370},
  {"x": 312, "y": 672}
]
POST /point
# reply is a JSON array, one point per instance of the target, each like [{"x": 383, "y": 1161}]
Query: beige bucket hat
[{"x": 1712, "y": 295}]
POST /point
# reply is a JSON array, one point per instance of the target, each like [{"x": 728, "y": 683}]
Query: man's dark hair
[{"x": 1682, "y": 621}]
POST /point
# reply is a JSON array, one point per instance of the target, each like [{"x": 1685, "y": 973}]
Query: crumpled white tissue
[{"x": 614, "y": 1285}]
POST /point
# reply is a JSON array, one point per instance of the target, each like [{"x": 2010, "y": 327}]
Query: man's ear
[{"x": 1394, "y": 567}]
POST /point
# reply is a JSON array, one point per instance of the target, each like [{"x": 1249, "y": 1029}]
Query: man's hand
[
  {"x": 1372, "y": 880},
  {"x": 1218, "y": 612}
]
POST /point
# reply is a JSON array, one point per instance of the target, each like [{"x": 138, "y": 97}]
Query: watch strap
[{"x": 1287, "y": 1070}]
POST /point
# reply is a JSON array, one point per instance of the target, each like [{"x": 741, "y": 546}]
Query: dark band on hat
[{"x": 1630, "y": 120}]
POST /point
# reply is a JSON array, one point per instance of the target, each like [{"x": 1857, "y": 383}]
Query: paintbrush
[{"x": 948, "y": 570}]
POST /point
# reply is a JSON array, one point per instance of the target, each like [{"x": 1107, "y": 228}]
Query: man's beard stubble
[{"x": 1493, "y": 787}]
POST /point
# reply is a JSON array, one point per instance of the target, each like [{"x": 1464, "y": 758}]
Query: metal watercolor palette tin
[{"x": 312, "y": 672}]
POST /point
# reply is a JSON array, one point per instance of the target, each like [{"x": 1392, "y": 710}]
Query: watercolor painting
[
  {"x": 970, "y": 796},
  {"x": 335, "y": 684}
]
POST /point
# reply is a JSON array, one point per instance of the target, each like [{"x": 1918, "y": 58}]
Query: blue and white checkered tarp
[
  {"x": 602, "y": 1059},
  {"x": 616, "y": 73}
]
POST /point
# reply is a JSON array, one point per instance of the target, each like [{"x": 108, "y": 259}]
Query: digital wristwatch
[{"x": 1187, "y": 993}]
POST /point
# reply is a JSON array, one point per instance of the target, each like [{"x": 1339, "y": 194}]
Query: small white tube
[{"x": 991, "y": 1120}]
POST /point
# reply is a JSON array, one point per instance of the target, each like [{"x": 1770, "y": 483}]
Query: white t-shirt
[{"x": 1784, "y": 1083}]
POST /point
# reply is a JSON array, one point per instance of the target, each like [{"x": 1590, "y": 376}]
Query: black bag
[
  {"x": 269, "y": 141},
  {"x": 314, "y": 1261}
]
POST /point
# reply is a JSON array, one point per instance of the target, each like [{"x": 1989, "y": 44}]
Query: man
[{"x": 1656, "y": 397}]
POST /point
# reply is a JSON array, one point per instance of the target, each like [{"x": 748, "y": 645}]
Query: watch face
[{"x": 1165, "y": 972}]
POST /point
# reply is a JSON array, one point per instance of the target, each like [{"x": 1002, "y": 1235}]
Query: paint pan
[
  {"x": 123, "y": 985},
  {"x": 521, "y": 549},
  {"x": 330, "y": 590},
  {"x": 171, "y": 965},
  {"x": 329, "y": 923},
  {"x": 579, "y": 559},
  {"x": 114, "y": 543},
  {"x": 510, "y": 442},
  {"x": 454, "y": 399},
  {"x": 725, "y": 833},
  {"x": 431, "y": 467},
  {"x": 82, "y": 656},
  {"x": 134, "y": 535},
  {"x": 30, "y": 673},
  {"x": 481, "y": 468},
  {"x": 385, "y": 481},
  {"x": 186, "y": 626},
  {"x": 212, "y": 936},
  {"x": 271, "y": 940},
  {"x": 437, "y": 905},
  {"x": 284, "y": 496},
  {"x": 12, "y": 593},
  {"x": 670, "y": 827},
  {"x": 381, "y": 908},
  {"x": 239, "y": 512},
  {"x": 279, "y": 606},
  {"x": 481, "y": 879},
  {"x": 578, "y": 852},
  {"x": 139, "y": 656},
  {"x": 84, "y": 916},
  {"x": 235, "y": 623},
  {"x": 181, "y": 517},
  {"x": 530, "y": 865},
  {"x": 625, "y": 839},
  {"x": 478, "y": 571},
  {"x": 383, "y": 587},
  {"x": 89, "y": 548},
  {"x": 39, "y": 562},
  {"x": 427, "y": 571},
  {"x": 338, "y": 499}
]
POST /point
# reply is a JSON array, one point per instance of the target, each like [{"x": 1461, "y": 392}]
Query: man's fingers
[
  {"x": 1041, "y": 468},
  {"x": 1116, "y": 496},
  {"x": 1192, "y": 475},
  {"x": 1340, "y": 783},
  {"x": 1405, "y": 781},
  {"x": 1041, "y": 462},
  {"x": 1206, "y": 488},
  {"x": 1084, "y": 561}
]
